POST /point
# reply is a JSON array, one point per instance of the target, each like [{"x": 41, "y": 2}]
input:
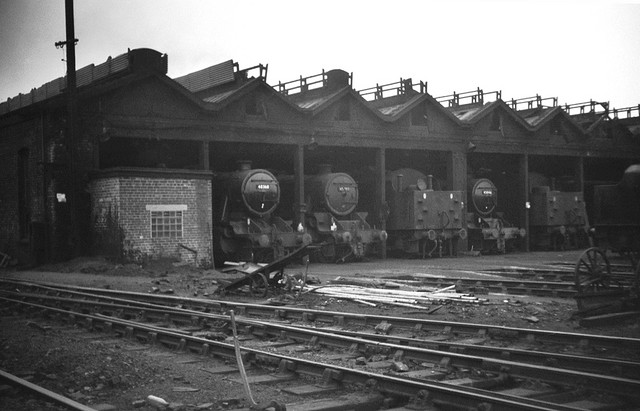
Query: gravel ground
[{"x": 94, "y": 371}]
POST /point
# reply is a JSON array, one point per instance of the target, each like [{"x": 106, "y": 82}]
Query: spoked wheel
[
  {"x": 593, "y": 271},
  {"x": 259, "y": 285},
  {"x": 596, "y": 289}
]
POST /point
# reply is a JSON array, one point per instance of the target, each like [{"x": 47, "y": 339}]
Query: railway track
[
  {"x": 516, "y": 281},
  {"x": 46, "y": 399},
  {"x": 563, "y": 289},
  {"x": 531, "y": 338},
  {"x": 496, "y": 376}
]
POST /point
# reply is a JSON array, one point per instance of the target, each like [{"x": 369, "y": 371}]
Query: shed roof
[
  {"x": 208, "y": 77},
  {"x": 132, "y": 60}
]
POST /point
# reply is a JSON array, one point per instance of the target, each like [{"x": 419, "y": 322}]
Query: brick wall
[{"x": 127, "y": 196}]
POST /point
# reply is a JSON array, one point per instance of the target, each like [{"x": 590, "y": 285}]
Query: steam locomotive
[
  {"x": 422, "y": 221},
  {"x": 557, "y": 217},
  {"x": 616, "y": 214},
  {"x": 488, "y": 230},
  {"x": 245, "y": 227},
  {"x": 332, "y": 219}
]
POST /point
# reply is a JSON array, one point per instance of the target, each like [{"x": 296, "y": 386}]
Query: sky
[{"x": 576, "y": 51}]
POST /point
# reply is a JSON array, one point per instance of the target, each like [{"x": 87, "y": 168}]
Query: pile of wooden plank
[{"x": 372, "y": 291}]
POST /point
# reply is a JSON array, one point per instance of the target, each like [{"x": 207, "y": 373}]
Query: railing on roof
[
  {"x": 306, "y": 83},
  {"x": 476, "y": 96},
  {"x": 591, "y": 105},
  {"x": 401, "y": 87},
  {"x": 262, "y": 71},
  {"x": 536, "y": 101},
  {"x": 627, "y": 110}
]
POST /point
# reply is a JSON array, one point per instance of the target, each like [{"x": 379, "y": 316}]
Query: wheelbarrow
[{"x": 261, "y": 278}]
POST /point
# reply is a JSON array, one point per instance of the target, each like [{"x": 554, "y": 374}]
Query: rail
[
  {"x": 468, "y": 396},
  {"x": 44, "y": 393},
  {"x": 262, "y": 71},
  {"x": 476, "y": 96},
  {"x": 591, "y": 106},
  {"x": 627, "y": 110},
  {"x": 303, "y": 84},
  {"x": 380, "y": 91},
  {"x": 536, "y": 101}
]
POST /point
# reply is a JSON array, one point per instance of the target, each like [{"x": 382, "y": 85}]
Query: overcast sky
[{"x": 573, "y": 50}]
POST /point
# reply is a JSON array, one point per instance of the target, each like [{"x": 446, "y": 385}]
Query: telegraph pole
[{"x": 72, "y": 192}]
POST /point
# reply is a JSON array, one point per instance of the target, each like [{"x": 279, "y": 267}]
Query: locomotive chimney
[
  {"x": 244, "y": 165},
  {"x": 429, "y": 182},
  {"x": 399, "y": 178},
  {"x": 325, "y": 168}
]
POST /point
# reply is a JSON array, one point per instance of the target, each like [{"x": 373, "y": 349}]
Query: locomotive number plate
[
  {"x": 344, "y": 189},
  {"x": 487, "y": 192},
  {"x": 263, "y": 187}
]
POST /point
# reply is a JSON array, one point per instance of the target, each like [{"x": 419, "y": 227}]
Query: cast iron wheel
[
  {"x": 593, "y": 272},
  {"x": 259, "y": 285}
]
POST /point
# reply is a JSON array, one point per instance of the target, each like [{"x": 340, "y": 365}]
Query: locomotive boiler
[
  {"x": 421, "y": 220},
  {"x": 488, "y": 230},
  {"x": 616, "y": 213},
  {"x": 332, "y": 219},
  {"x": 245, "y": 227},
  {"x": 557, "y": 217}
]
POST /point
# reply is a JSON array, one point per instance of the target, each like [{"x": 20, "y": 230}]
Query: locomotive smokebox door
[
  {"x": 484, "y": 196},
  {"x": 260, "y": 192}
]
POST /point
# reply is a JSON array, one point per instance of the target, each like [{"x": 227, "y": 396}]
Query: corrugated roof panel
[
  {"x": 393, "y": 110},
  {"x": 102, "y": 70},
  {"x": 54, "y": 86},
  {"x": 209, "y": 77},
  {"x": 84, "y": 76},
  {"x": 40, "y": 93},
  {"x": 466, "y": 114},
  {"x": 311, "y": 104},
  {"x": 533, "y": 120},
  {"x": 120, "y": 62},
  {"x": 218, "y": 97}
]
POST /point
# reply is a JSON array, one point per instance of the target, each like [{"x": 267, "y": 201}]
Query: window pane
[{"x": 166, "y": 224}]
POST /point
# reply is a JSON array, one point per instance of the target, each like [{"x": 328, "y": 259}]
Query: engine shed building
[{"x": 134, "y": 176}]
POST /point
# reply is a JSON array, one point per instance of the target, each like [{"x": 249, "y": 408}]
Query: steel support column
[
  {"x": 524, "y": 194},
  {"x": 579, "y": 173},
  {"x": 298, "y": 190},
  {"x": 204, "y": 155},
  {"x": 457, "y": 180},
  {"x": 381, "y": 206}
]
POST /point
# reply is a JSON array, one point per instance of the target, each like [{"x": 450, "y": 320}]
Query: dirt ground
[{"x": 110, "y": 372}]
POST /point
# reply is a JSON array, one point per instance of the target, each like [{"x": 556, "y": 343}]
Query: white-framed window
[{"x": 166, "y": 220}]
